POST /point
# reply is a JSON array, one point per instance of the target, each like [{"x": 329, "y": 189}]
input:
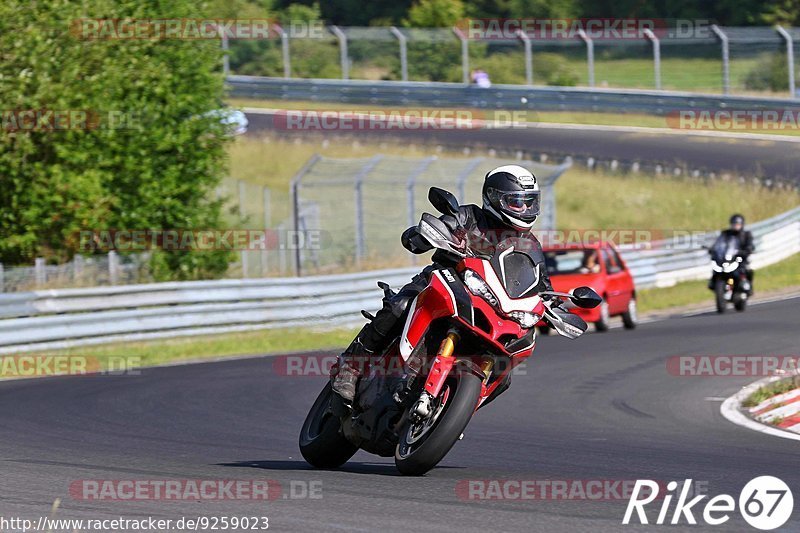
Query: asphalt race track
[
  {"x": 602, "y": 407},
  {"x": 777, "y": 159}
]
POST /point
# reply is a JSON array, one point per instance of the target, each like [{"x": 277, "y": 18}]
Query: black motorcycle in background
[{"x": 729, "y": 280}]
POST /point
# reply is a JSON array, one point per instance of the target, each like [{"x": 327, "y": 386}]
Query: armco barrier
[
  {"x": 434, "y": 94},
  {"x": 59, "y": 318}
]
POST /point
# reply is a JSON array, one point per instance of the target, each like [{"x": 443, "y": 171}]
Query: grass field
[{"x": 617, "y": 200}]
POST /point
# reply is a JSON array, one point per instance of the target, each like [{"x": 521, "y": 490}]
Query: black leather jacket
[
  {"x": 482, "y": 231},
  {"x": 746, "y": 246}
]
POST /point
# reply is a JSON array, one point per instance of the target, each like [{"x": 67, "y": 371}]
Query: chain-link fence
[
  {"x": 716, "y": 59},
  {"x": 106, "y": 269},
  {"x": 350, "y": 212}
]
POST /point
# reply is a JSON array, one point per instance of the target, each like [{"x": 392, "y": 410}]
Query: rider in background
[
  {"x": 510, "y": 208},
  {"x": 746, "y": 247}
]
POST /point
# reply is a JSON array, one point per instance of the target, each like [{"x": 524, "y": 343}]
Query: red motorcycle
[{"x": 415, "y": 399}]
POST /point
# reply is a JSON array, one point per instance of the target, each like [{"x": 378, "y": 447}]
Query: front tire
[
  {"x": 719, "y": 293},
  {"x": 423, "y": 445},
  {"x": 740, "y": 304},
  {"x": 605, "y": 317},
  {"x": 630, "y": 318},
  {"x": 321, "y": 441}
]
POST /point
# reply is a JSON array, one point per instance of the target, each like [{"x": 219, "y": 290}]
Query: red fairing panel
[{"x": 435, "y": 301}]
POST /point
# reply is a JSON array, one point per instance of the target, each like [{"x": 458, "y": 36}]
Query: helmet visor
[{"x": 522, "y": 205}]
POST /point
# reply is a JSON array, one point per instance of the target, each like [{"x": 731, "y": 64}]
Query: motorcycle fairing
[{"x": 437, "y": 300}]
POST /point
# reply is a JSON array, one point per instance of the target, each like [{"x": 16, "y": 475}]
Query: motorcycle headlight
[
  {"x": 479, "y": 287},
  {"x": 524, "y": 318}
]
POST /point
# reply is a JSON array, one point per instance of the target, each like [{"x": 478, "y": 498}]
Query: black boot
[{"x": 349, "y": 368}]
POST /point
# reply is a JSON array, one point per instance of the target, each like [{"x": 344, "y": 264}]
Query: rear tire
[
  {"x": 321, "y": 441},
  {"x": 603, "y": 323},
  {"x": 418, "y": 453},
  {"x": 630, "y": 318},
  {"x": 719, "y": 293}
]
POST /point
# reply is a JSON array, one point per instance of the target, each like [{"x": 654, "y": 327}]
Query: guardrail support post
[
  {"x": 464, "y": 55},
  {"x": 526, "y": 41},
  {"x": 343, "y": 56},
  {"x": 292, "y": 240},
  {"x": 361, "y": 246},
  {"x": 403, "y": 52},
  {"x": 656, "y": 56},
  {"x": 726, "y": 60},
  {"x": 2, "y": 279},
  {"x": 113, "y": 267},
  {"x": 77, "y": 267},
  {"x": 589, "y": 54},
  {"x": 39, "y": 273},
  {"x": 789, "y": 59}
]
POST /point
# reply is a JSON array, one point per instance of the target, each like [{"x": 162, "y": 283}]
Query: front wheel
[
  {"x": 321, "y": 441},
  {"x": 630, "y": 317},
  {"x": 423, "y": 444},
  {"x": 605, "y": 317},
  {"x": 740, "y": 303},
  {"x": 719, "y": 293}
]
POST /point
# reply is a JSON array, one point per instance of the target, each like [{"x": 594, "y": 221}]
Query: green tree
[
  {"x": 435, "y": 13},
  {"x": 153, "y": 167}
]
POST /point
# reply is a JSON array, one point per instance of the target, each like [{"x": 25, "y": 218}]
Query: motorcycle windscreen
[
  {"x": 725, "y": 246},
  {"x": 517, "y": 272}
]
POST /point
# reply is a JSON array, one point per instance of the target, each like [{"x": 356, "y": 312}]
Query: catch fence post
[
  {"x": 589, "y": 54},
  {"x": 358, "y": 183},
  {"x": 726, "y": 63},
  {"x": 403, "y": 52},
  {"x": 526, "y": 41},
  {"x": 464, "y": 54},
  {"x": 343, "y": 59},
  {"x": 789, "y": 59},
  {"x": 656, "y": 56}
]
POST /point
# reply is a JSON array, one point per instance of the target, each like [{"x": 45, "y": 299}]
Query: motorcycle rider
[
  {"x": 745, "y": 245},
  {"x": 510, "y": 208}
]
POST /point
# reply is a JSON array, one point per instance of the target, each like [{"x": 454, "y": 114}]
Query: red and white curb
[
  {"x": 783, "y": 408},
  {"x": 782, "y": 411}
]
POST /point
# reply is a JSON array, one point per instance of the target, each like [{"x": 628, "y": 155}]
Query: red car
[{"x": 599, "y": 266}]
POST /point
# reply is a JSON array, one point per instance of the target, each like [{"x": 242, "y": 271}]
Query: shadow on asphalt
[{"x": 383, "y": 469}]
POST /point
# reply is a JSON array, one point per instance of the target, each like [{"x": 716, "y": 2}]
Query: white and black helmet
[{"x": 511, "y": 193}]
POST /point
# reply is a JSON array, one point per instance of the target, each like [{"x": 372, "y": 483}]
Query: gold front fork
[
  {"x": 448, "y": 345},
  {"x": 487, "y": 364}
]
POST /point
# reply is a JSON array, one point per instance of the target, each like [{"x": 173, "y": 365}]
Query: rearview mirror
[
  {"x": 443, "y": 201},
  {"x": 585, "y": 297}
]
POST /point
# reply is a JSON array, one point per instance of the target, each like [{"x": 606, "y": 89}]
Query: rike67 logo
[{"x": 765, "y": 503}]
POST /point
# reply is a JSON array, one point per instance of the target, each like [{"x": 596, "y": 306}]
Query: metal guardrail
[
  {"x": 61, "y": 318},
  {"x": 513, "y": 97}
]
